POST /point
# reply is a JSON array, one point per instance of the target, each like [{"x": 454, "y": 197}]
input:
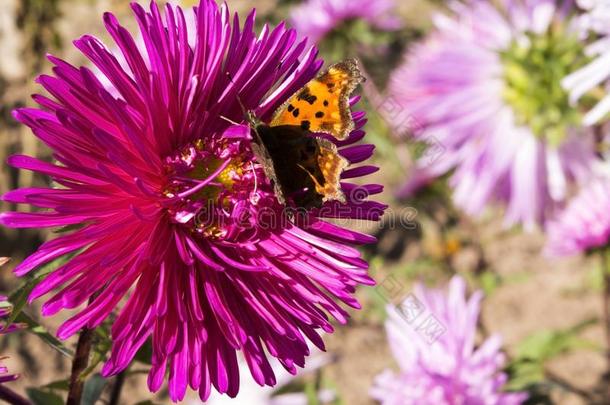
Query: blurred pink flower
[
  {"x": 449, "y": 370},
  {"x": 584, "y": 224},
  {"x": 595, "y": 19},
  {"x": 172, "y": 219},
  {"x": 316, "y": 18},
  {"x": 481, "y": 88}
]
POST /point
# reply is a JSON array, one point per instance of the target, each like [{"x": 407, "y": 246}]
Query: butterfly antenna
[
  {"x": 318, "y": 185},
  {"x": 276, "y": 75},
  {"x": 229, "y": 120},
  {"x": 241, "y": 104},
  {"x": 255, "y": 178}
]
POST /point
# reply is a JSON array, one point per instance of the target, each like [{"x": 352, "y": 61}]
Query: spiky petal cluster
[
  {"x": 479, "y": 92},
  {"x": 316, "y": 18},
  {"x": 170, "y": 219},
  {"x": 448, "y": 370},
  {"x": 584, "y": 224}
]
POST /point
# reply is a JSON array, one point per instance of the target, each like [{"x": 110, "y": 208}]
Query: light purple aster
[
  {"x": 449, "y": 370},
  {"x": 584, "y": 224},
  {"x": 171, "y": 219},
  {"x": 316, "y": 18},
  {"x": 594, "y": 20},
  {"x": 481, "y": 91}
]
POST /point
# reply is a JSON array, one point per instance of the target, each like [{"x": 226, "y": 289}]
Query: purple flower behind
[
  {"x": 177, "y": 228},
  {"x": 593, "y": 20},
  {"x": 584, "y": 224},
  {"x": 484, "y": 87},
  {"x": 450, "y": 369},
  {"x": 316, "y": 18}
]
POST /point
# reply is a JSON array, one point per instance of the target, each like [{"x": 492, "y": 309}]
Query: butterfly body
[{"x": 300, "y": 164}]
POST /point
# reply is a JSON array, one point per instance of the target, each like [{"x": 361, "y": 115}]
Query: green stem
[
  {"x": 605, "y": 259},
  {"x": 80, "y": 362},
  {"x": 81, "y": 359},
  {"x": 115, "y": 396}
]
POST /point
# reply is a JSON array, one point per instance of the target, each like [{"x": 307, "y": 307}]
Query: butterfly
[{"x": 300, "y": 164}]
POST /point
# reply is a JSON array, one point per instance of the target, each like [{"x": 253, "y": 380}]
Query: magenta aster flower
[
  {"x": 486, "y": 88},
  {"x": 173, "y": 223},
  {"x": 584, "y": 224},
  {"x": 448, "y": 370},
  {"x": 316, "y": 18}
]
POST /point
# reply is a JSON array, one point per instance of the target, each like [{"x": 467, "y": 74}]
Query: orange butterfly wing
[
  {"x": 331, "y": 164},
  {"x": 322, "y": 105}
]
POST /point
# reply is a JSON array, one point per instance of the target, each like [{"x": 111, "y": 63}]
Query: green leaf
[
  {"x": 311, "y": 392},
  {"x": 595, "y": 277},
  {"x": 19, "y": 298},
  {"x": 490, "y": 281},
  {"x": 544, "y": 345},
  {"x": 144, "y": 354},
  {"x": 524, "y": 374},
  {"x": 529, "y": 376},
  {"x": 137, "y": 372},
  {"x": 101, "y": 346},
  {"x": 62, "y": 385},
  {"x": 93, "y": 389},
  {"x": 39, "y": 397},
  {"x": 69, "y": 228},
  {"x": 527, "y": 370},
  {"x": 40, "y": 331}
]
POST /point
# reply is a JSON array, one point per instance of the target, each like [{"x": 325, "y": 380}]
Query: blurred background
[{"x": 546, "y": 310}]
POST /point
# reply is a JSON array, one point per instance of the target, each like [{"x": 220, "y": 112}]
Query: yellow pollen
[{"x": 226, "y": 178}]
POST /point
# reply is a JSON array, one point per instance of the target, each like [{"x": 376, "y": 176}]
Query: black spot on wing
[
  {"x": 290, "y": 107},
  {"x": 319, "y": 114},
  {"x": 295, "y": 112},
  {"x": 305, "y": 124},
  {"x": 307, "y": 96}
]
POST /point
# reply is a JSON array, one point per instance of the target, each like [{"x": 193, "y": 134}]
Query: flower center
[
  {"x": 212, "y": 188},
  {"x": 533, "y": 68}
]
